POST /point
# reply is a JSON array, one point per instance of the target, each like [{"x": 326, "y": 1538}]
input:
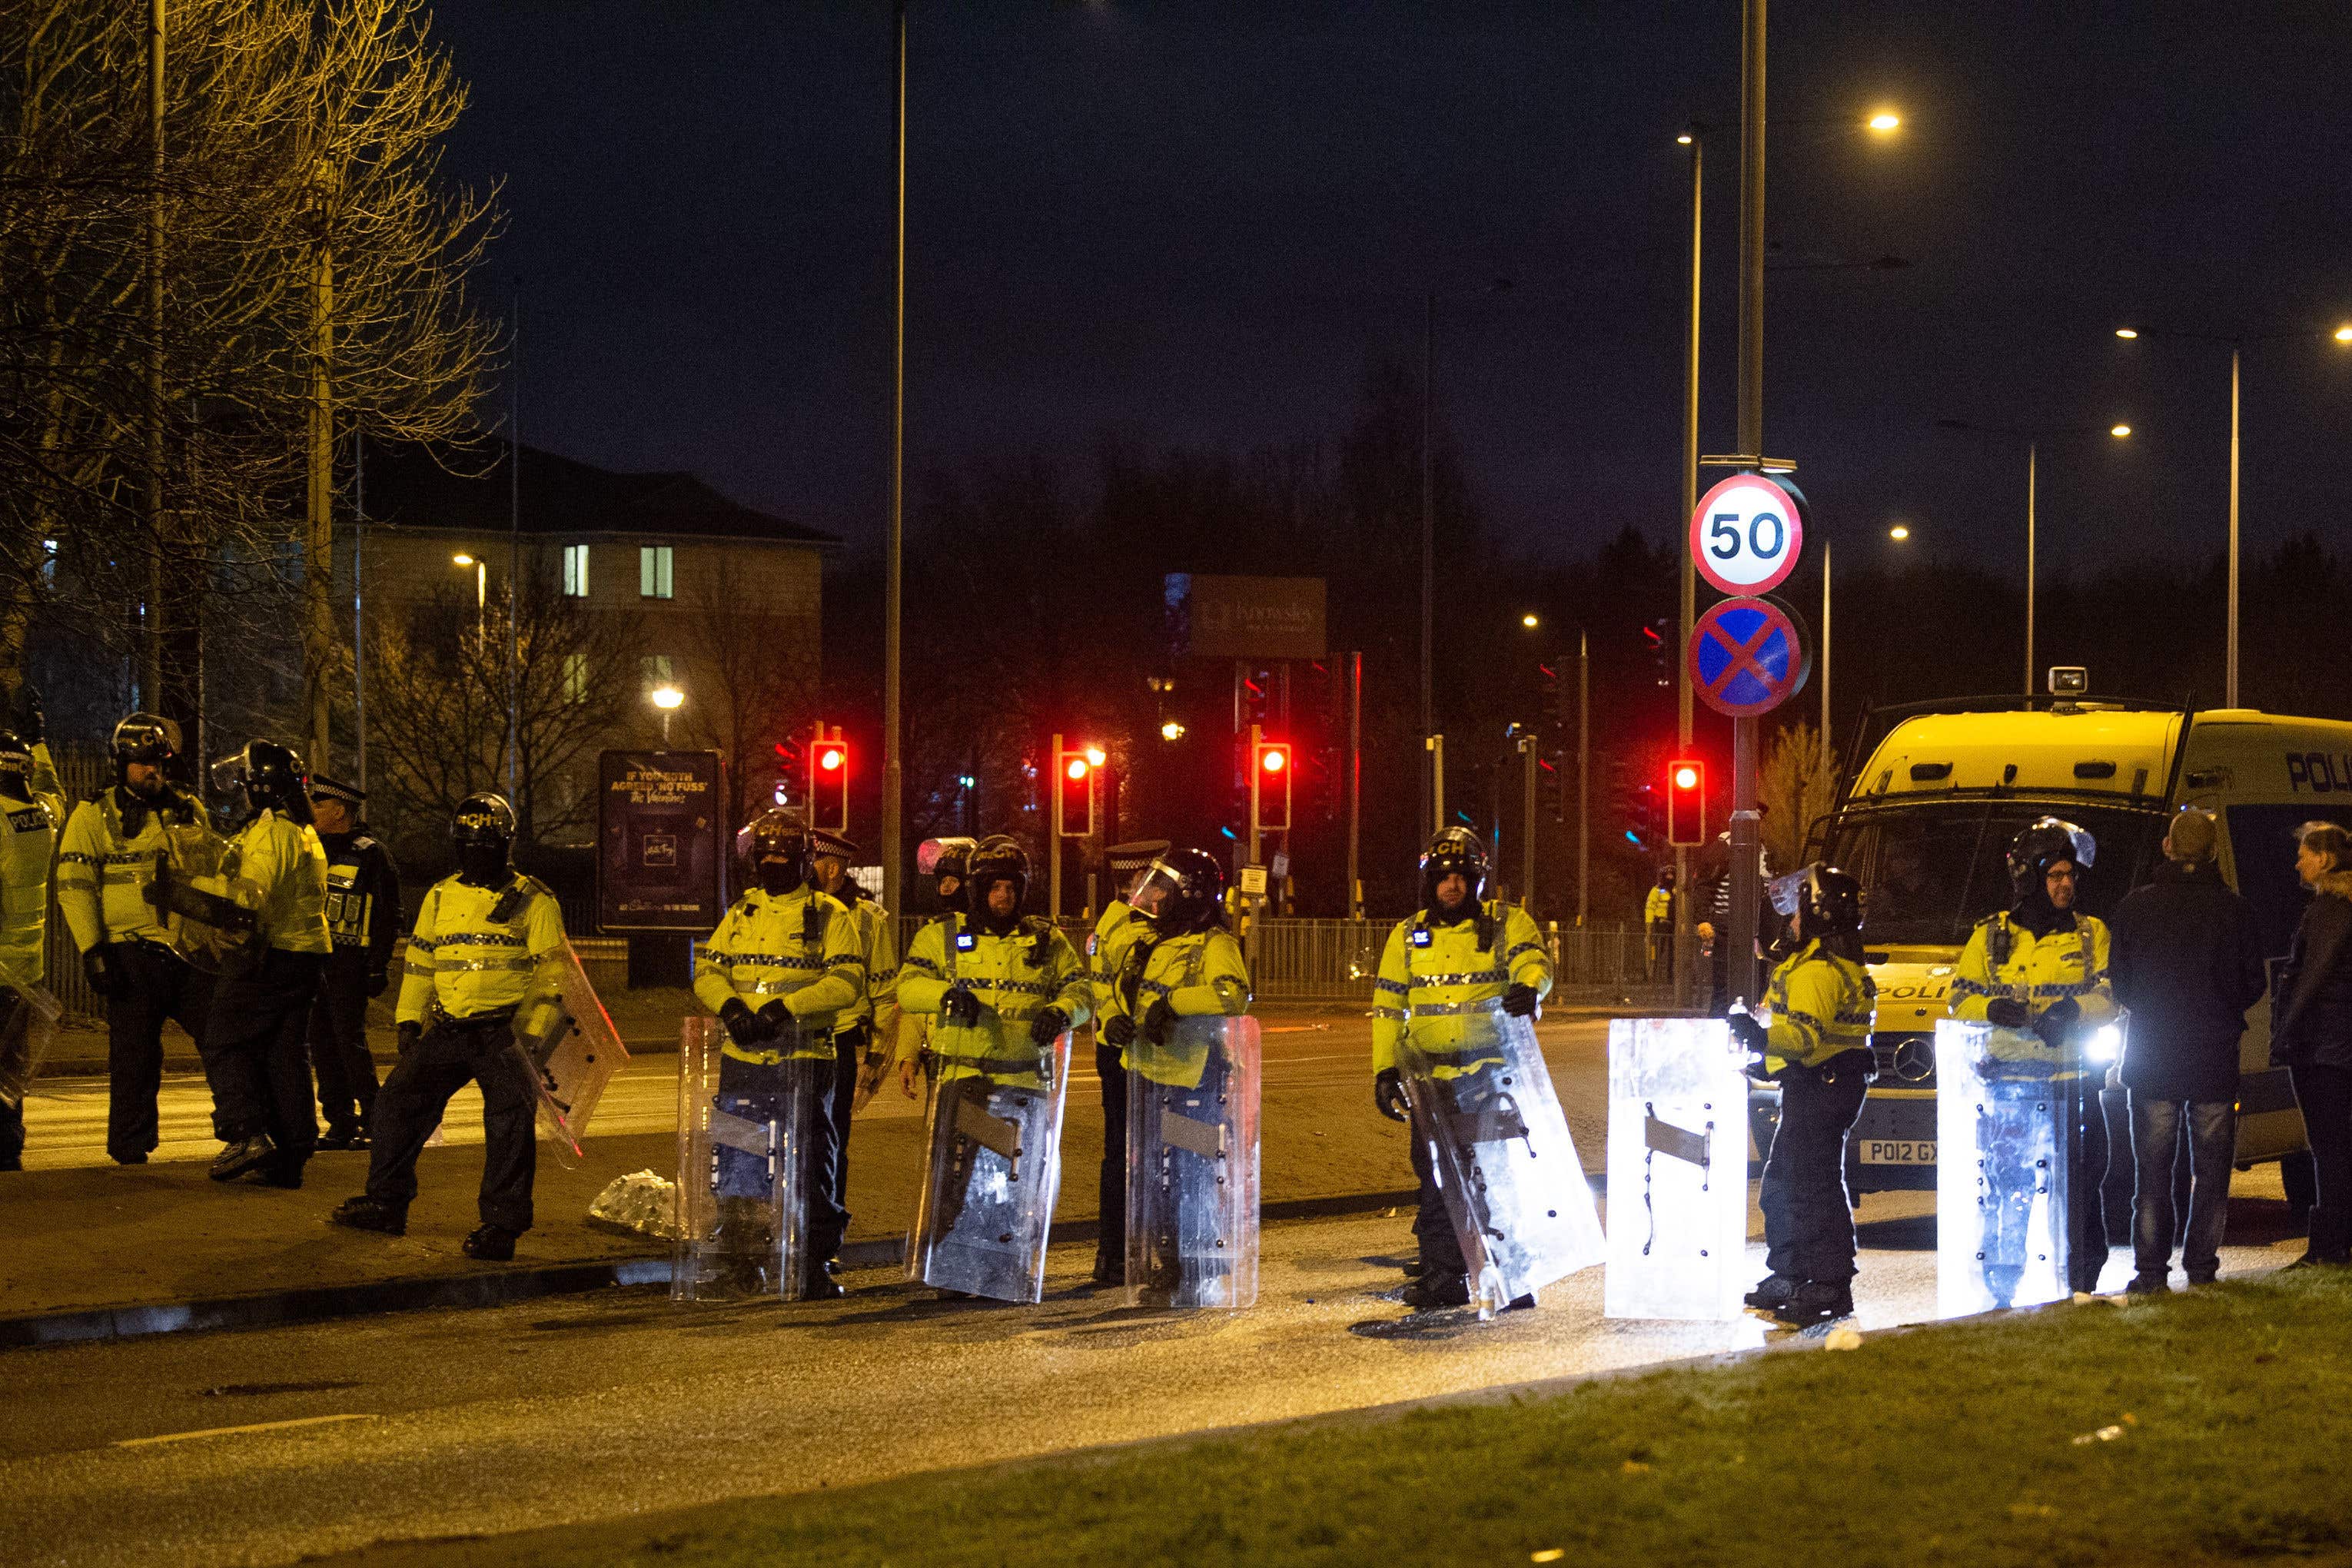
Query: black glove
[
  {"x": 1049, "y": 1022},
  {"x": 2058, "y": 1021},
  {"x": 32, "y": 726},
  {"x": 1752, "y": 1036},
  {"x": 1521, "y": 1001},
  {"x": 776, "y": 1019},
  {"x": 98, "y": 965},
  {"x": 1157, "y": 1019},
  {"x": 1119, "y": 1031},
  {"x": 1388, "y": 1095},
  {"x": 741, "y": 1024},
  {"x": 960, "y": 1008},
  {"x": 2007, "y": 1012},
  {"x": 407, "y": 1035}
]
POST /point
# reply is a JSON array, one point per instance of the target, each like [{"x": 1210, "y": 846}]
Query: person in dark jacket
[
  {"x": 2186, "y": 962},
  {"x": 2311, "y": 1032},
  {"x": 362, "y": 919}
]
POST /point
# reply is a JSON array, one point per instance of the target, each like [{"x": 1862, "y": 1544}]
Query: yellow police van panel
[{"x": 1927, "y": 820}]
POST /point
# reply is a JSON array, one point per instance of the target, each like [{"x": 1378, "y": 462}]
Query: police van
[{"x": 1931, "y": 795}]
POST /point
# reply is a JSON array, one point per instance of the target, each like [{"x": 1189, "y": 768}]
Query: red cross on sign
[{"x": 1747, "y": 658}]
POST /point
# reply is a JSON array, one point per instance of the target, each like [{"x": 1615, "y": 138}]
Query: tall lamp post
[
  {"x": 669, "y": 698},
  {"x": 2033, "y": 438},
  {"x": 2341, "y": 335}
]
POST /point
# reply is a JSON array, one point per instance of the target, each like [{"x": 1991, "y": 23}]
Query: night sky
[{"x": 1199, "y": 223}]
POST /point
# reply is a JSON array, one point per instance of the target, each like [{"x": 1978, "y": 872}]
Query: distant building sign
[
  {"x": 1245, "y": 617},
  {"x": 658, "y": 850}
]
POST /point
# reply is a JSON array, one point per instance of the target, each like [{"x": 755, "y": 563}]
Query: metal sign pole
[{"x": 1054, "y": 844}]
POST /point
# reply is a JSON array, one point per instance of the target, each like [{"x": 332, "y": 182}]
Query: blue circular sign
[{"x": 1747, "y": 658}]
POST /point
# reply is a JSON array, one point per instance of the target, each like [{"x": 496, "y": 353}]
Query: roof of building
[{"x": 468, "y": 488}]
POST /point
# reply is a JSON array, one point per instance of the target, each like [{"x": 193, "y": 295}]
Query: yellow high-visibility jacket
[
  {"x": 877, "y": 1000},
  {"x": 479, "y": 950},
  {"x": 2038, "y": 972},
  {"x": 801, "y": 948},
  {"x": 278, "y": 868},
  {"x": 1822, "y": 1007},
  {"x": 1658, "y": 908},
  {"x": 1201, "y": 972},
  {"x": 1107, "y": 950},
  {"x": 1432, "y": 975},
  {"x": 28, "y": 833},
  {"x": 103, "y": 871},
  {"x": 1016, "y": 977}
]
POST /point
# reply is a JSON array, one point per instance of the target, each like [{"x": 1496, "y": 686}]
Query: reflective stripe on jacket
[
  {"x": 464, "y": 961},
  {"x": 1201, "y": 972},
  {"x": 1016, "y": 977},
  {"x": 103, "y": 873},
  {"x": 1431, "y": 974},
  {"x": 1822, "y": 1007},
  {"x": 801, "y": 948},
  {"x": 27, "y": 837}
]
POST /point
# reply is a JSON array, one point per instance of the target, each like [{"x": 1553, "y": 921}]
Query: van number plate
[{"x": 1899, "y": 1151}]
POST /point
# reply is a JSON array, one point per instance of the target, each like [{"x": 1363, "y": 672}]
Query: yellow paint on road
[{"x": 233, "y": 1431}]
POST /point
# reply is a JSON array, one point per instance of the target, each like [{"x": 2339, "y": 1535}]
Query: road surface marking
[{"x": 231, "y": 1431}]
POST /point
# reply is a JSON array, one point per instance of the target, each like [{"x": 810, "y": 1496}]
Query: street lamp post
[
  {"x": 2341, "y": 335},
  {"x": 893, "y": 761},
  {"x": 481, "y": 588},
  {"x": 667, "y": 698}
]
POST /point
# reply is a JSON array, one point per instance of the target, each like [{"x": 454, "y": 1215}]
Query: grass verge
[{"x": 2200, "y": 1428}]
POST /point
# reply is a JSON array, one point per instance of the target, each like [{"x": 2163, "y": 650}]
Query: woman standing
[{"x": 2311, "y": 1032}]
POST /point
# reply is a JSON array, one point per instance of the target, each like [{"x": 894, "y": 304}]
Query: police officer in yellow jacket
[
  {"x": 1821, "y": 1003},
  {"x": 863, "y": 1036},
  {"x": 1658, "y": 921},
  {"x": 487, "y": 939},
  {"x": 1001, "y": 986},
  {"x": 1458, "y": 955},
  {"x": 785, "y": 967},
  {"x": 255, "y": 1054},
  {"x": 32, "y": 805},
  {"x": 2038, "y": 973},
  {"x": 106, "y": 858},
  {"x": 362, "y": 919},
  {"x": 1127, "y": 917}
]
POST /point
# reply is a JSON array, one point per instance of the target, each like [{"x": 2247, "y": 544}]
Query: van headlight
[{"x": 2105, "y": 1043}]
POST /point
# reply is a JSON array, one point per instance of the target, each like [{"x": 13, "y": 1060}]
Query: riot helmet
[
  {"x": 945, "y": 861},
  {"x": 999, "y": 857},
  {"x": 149, "y": 738},
  {"x": 2038, "y": 847},
  {"x": 776, "y": 845},
  {"x": 1183, "y": 890},
  {"x": 1128, "y": 863},
  {"x": 1455, "y": 850},
  {"x": 268, "y": 776},
  {"x": 483, "y": 831},
  {"x": 1826, "y": 902},
  {"x": 15, "y": 765},
  {"x": 1666, "y": 877}
]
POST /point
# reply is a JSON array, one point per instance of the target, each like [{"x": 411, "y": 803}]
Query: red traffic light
[
  {"x": 1686, "y": 803},
  {"x": 1075, "y": 766},
  {"x": 1274, "y": 759},
  {"x": 1685, "y": 775},
  {"x": 829, "y": 759}
]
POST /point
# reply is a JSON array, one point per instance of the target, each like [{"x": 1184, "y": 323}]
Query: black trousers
[
  {"x": 1110, "y": 1244},
  {"x": 417, "y": 1090},
  {"x": 2325, "y": 1095},
  {"x": 338, "y": 1047},
  {"x": 1433, "y": 1221},
  {"x": 155, "y": 983},
  {"x": 849, "y": 1054},
  {"x": 756, "y": 1091},
  {"x": 253, "y": 1055},
  {"x": 1808, "y": 1213},
  {"x": 12, "y": 1114}
]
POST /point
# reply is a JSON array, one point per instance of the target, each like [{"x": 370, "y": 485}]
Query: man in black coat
[{"x": 2187, "y": 962}]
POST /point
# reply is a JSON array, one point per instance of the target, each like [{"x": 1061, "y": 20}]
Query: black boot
[
  {"x": 1772, "y": 1291},
  {"x": 1817, "y": 1301},
  {"x": 244, "y": 1154},
  {"x": 491, "y": 1244},
  {"x": 822, "y": 1287},
  {"x": 366, "y": 1213},
  {"x": 1432, "y": 1291}
]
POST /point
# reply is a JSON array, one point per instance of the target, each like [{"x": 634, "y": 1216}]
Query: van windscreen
[{"x": 1930, "y": 870}]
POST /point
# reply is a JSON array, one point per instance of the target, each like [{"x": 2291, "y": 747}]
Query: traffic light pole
[
  {"x": 1528, "y": 823},
  {"x": 1256, "y": 733},
  {"x": 1583, "y": 775},
  {"x": 1739, "y": 966},
  {"x": 1053, "y": 842}
]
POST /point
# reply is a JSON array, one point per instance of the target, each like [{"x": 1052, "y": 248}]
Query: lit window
[
  {"x": 575, "y": 677},
  {"x": 652, "y": 572},
  {"x": 575, "y": 571}
]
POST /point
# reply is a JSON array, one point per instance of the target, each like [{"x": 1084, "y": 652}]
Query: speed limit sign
[{"x": 1745, "y": 535}]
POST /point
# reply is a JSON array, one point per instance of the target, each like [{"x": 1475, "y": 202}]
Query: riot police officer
[
  {"x": 363, "y": 917},
  {"x": 106, "y": 858},
  {"x": 484, "y": 936},
  {"x": 2038, "y": 973},
  {"x": 1460, "y": 951},
  {"x": 1821, "y": 1001},
  {"x": 1178, "y": 961},
  {"x": 32, "y": 805},
  {"x": 863, "y": 1031},
  {"x": 786, "y": 964},
  {"x": 1123, "y": 920},
  {"x": 945, "y": 861},
  {"x": 276, "y": 874}
]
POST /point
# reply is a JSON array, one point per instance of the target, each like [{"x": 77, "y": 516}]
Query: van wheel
[{"x": 2302, "y": 1183}]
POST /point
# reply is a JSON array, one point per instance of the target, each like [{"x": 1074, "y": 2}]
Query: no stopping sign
[{"x": 1746, "y": 533}]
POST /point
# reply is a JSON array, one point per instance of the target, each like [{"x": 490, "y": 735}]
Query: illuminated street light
[
  {"x": 1529, "y": 621},
  {"x": 1170, "y": 730},
  {"x": 1884, "y": 121},
  {"x": 667, "y": 698},
  {"x": 481, "y": 585},
  {"x": 2120, "y": 431},
  {"x": 1899, "y": 532},
  {"x": 2343, "y": 333},
  {"x": 1684, "y": 140},
  {"x": 1095, "y": 756},
  {"x": 461, "y": 560},
  {"x": 2127, "y": 333}
]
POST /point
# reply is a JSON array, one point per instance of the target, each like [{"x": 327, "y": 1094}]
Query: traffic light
[
  {"x": 1657, "y": 637},
  {"x": 1271, "y": 772},
  {"x": 1685, "y": 803},
  {"x": 1074, "y": 790},
  {"x": 1641, "y": 821},
  {"x": 1553, "y": 786},
  {"x": 828, "y": 795},
  {"x": 792, "y": 769},
  {"x": 1555, "y": 698}
]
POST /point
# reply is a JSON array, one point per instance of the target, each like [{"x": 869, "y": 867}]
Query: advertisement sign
[
  {"x": 658, "y": 841},
  {"x": 1245, "y": 617}
]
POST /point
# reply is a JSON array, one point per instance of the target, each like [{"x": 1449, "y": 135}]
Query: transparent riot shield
[
  {"x": 1502, "y": 1155},
  {"x": 2000, "y": 1173},
  {"x": 1191, "y": 1165},
  {"x": 1677, "y": 1170},
  {"x": 744, "y": 1133},
  {"x": 204, "y": 925},
  {"x": 25, "y": 1034},
  {"x": 994, "y": 1167},
  {"x": 570, "y": 1048}
]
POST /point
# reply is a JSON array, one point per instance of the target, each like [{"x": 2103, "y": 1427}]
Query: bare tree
[
  {"x": 753, "y": 682},
  {"x": 1796, "y": 791}
]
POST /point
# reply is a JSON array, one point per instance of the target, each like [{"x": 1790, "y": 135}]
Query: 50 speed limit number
[{"x": 1746, "y": 536}]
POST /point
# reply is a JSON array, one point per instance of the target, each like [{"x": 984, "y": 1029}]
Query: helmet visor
[
  {"x": 1788, "y": 893},
  {"x": 933, "y": 854},
  {"x": 1158, "y": 886},
  {"x": 232, "y": 773}
]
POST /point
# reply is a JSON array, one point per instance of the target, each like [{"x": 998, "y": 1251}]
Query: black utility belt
[
  {"x": 476, "y": 1023},
  {"x": 1859, "y": 1060}
]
